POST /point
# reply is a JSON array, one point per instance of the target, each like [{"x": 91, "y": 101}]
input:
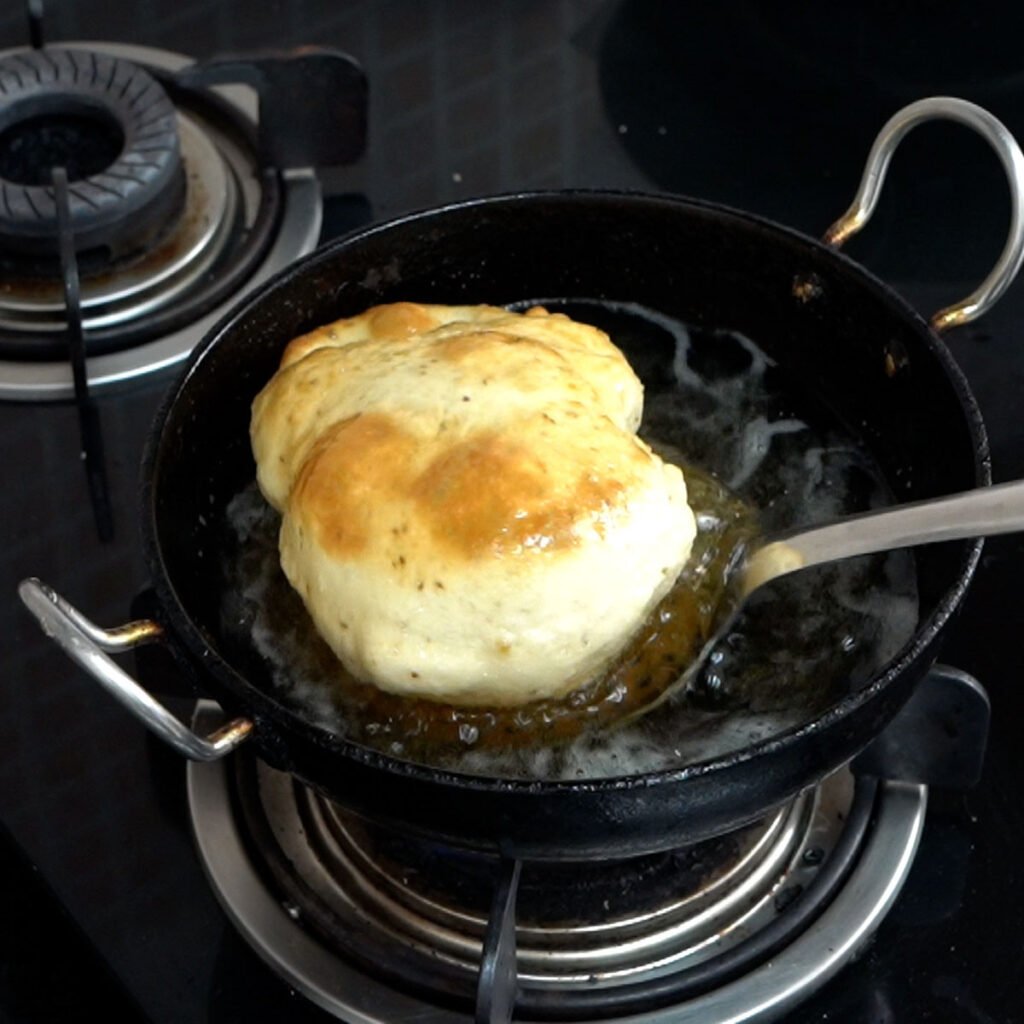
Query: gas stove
[{"x": 151, "y": 882}]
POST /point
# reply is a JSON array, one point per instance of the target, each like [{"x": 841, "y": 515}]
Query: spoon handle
[{"x": 979, "y": 513}]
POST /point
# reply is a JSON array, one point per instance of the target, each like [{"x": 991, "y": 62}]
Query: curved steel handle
[
  {"x": 84, "y": 642},
  {"x": 995, "y": 133}
]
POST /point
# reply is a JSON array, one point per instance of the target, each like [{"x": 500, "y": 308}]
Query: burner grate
[
  {"x": 870, "y": 863},
  {"x": 592, "y": 939}
]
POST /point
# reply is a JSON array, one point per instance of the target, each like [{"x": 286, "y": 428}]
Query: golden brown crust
[
  {"x": 351, "y": 468},
  {"x": 477, "y": 365},
  {"x": 485, "y": 495}
]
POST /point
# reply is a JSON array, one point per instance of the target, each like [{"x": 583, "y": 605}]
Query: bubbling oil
[{"x": 746, "y": 438}]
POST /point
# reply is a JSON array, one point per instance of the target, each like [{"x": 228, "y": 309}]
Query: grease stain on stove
[{"x": 175, "y": 243}]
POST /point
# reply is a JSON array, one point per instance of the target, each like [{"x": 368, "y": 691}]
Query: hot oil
[
  {"x": 427, "y": 730},
  {"x": 752, "y": 440}
]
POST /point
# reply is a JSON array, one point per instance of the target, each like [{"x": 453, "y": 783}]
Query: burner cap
[{"x": 111, "y": 125}]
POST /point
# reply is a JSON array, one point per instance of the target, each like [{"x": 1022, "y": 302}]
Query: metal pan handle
[
  {"x": 995, "y": 133},
  {"x": 85, "y": 643}
]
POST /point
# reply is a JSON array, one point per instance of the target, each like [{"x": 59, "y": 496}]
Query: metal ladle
[{"x": 983, "y": 512}]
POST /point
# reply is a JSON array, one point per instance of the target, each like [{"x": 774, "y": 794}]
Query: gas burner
[
  {"x": 377, "y": 926},
  {"x": 126, "y": 290},
  {"x": 111, "y": 125},
  {"x": 158, "y": 268}
]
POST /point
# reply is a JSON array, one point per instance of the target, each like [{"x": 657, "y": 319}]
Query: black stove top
[{"x": 104, "y": 902}]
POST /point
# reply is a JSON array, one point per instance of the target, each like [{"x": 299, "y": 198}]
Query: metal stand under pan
[{"x": 741, "y": 928}]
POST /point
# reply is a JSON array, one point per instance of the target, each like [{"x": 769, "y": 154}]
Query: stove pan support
[
  {"x": 939, "y": 736},
  {"x": 88, "y": 416},
  {"x": 34, "y": 12},
  {"x": 292, "y": 131},
  {"x": 498, "y": 987}
]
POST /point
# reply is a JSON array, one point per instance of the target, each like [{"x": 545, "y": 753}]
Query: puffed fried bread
[{"x": 467, "y": 512}]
